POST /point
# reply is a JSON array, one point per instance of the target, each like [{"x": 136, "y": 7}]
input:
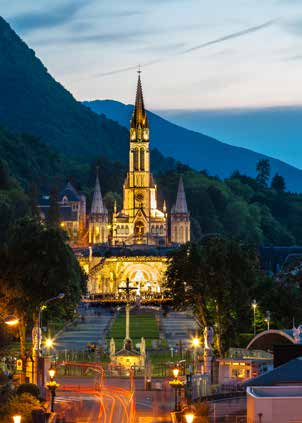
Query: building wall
[
  {"x": 147, "y": 274},
  {"x": 274, "y": 409}
]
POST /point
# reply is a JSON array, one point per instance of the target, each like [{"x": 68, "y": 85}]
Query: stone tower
[
  {"x": 140, "y": 221},
  {"x": 98, "y": 223},
  {"x": 180, "y": 217}
]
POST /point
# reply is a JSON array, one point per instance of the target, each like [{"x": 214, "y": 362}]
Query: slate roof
[
  {"x": 70, "y": 192},
  {"x": 123, "y": 353},
  {"x": 288, "y": 373}
]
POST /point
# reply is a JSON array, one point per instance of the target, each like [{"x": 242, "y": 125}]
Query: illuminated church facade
[
  {"x": 140, "y": 221},
  {"x": 134, "y": 243}
]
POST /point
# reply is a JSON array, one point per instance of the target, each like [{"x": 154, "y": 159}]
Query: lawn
[{"x": 143, "y": 324}]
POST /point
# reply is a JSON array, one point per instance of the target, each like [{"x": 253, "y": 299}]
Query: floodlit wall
[{"x": 276, "y": 404}]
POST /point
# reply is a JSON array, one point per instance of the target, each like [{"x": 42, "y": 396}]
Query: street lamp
[
  {"x": 175, "y": 372},
  {"x": 37, "y": 349},
  {"x": 52, "y": 385},
  {"x": 254, "y": 306},
  {"x": 17, "y": 419},
  {"x": 49, "y": 343},
  {"x": 11, "y": 320},
  {"x": 177, "y": 385},
  {"x": 189, "y": 417},
  {"x": 42, "y": 307}
]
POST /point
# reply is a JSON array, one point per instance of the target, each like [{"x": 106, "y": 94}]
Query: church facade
[
  {"x": 134, "y": 243},
  {"x": 140, "y": 221}
]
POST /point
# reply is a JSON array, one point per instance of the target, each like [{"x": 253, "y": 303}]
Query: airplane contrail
[{"x": 194, "y": 48}]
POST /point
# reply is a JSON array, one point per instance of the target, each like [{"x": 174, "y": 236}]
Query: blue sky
[{"x": 248, "y": 52}]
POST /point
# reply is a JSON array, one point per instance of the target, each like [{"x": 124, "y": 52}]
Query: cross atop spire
[{"x": 139, "y": 116}]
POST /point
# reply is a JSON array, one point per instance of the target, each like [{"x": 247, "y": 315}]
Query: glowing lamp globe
[
  {"x": 175, "y": 372},
  {"x": 17, "y": 419},
  {"x": 11, "y": 320},
  {"x": 195, "y": 342},
  {"x": 49, "y": 343},
  {"x": 189, "y": 417},
  {"x": 51, "y": 372}
]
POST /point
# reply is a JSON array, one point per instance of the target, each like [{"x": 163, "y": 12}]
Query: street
[{"x": 79, "y": 400}]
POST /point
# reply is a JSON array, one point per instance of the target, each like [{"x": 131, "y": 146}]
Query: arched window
[
  {"x": 161, "y": 229},
  {"x": 103, "y": 234},
  {"x": 118, "y": 229},
  {"x": 187, "y": 234},
  {"x": 135, "y": 159},
  {"x": 122, "y": 229},
  {"x": 127, "y": 230},
  {"x": 142, "y": 159},
  {"x": 175, "y": 234}
]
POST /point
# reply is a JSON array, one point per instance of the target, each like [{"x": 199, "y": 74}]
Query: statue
[
  {"x": 208, "y": 334},
  {"x": 297, "y": 334},
  {"x": 36, "y": 338},
  {"x": 143, "y": 346},
  {"x": 112, "y": 347}
]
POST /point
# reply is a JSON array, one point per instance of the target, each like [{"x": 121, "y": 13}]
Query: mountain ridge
[
  {"x": 198, "y": 150},
  {"x": 32, "y": 101}
]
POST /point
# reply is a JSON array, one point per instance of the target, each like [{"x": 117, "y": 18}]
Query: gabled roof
[
  {"x": 70, "y": 192},
  {"x": 124, "y": 353},
  {"x": 288, "y": 373}
]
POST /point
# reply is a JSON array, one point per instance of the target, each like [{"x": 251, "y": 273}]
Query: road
[{"x": 78, "y": 401}]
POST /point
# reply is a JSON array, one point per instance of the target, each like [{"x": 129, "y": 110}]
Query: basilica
[{"x": 134, "y": 242}]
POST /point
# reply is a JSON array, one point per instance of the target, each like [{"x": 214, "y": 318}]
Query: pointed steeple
[
  {"x": 139, "y": 116},
  {"x": 181, "y": 202},
  {"x": 97, "y": 206}
]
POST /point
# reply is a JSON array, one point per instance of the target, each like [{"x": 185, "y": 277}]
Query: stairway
[
  {"x": 178, "y": 326},
  {"x": 92, "y": 329}
]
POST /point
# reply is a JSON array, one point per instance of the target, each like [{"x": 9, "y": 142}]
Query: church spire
[
  {"x": 139, "y": 117},
  {"x": 97, "y": 206},
  {"x": 181, "y": 202}
]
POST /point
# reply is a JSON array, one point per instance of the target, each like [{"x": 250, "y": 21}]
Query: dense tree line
[{"x": 218, "y": 278}]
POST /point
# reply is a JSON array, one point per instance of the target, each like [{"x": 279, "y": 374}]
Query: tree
[
  {"x": 263, "y": 171},
  {"x": 53, "y": 217},
  {"x": 213, "y": 279},
  {"x": 37, "y": 264},
  {"x": 278, "y": 183}
]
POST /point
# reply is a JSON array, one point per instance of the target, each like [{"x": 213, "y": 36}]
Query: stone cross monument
[{"x": 127, "y": 290}]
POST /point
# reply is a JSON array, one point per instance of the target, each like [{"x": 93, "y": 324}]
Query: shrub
[
  {"x": 22, "y": 404},
  {"x": 29, "y": 388}
]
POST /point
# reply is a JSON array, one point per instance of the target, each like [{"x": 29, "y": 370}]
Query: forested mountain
[
  {"x": 197, "y": 150},
  {"x": 33, "y": 102}
]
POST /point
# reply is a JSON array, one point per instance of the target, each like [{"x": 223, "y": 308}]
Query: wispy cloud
[
  {"x": 51, "y": 17},
  {"x": 231, "y": 36},
  {"x": 219, "y": 40}
]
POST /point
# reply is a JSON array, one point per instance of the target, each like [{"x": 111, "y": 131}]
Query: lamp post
[
  {"x": 176, "y": 384},
  {"x": 37, "y": 336},
  {"x": 254, "y": 306},
  {"x": 52, "y": 385},
  {"x": 195, "y": 344},
  {"x": 268, "y": 319},
  {"x": 17, "y": 419}
]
